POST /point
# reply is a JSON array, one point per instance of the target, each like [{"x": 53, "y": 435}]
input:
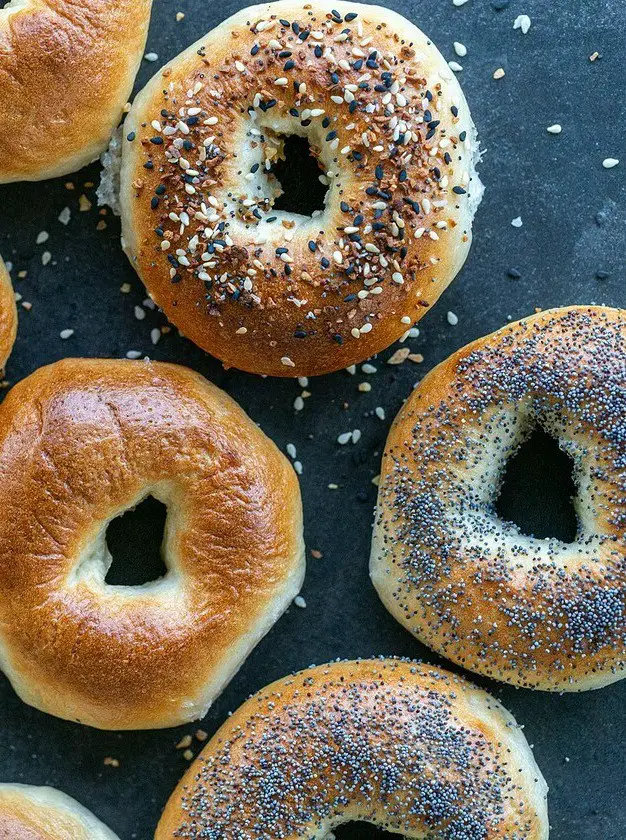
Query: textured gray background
[{"x": 558, "y": 186}]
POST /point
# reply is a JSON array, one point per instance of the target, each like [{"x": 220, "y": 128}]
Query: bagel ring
[
  {"x": 8, "y": 315},
  {"x": 411, "y": 748},
  {"x": 81, "y": 442},
  {"x": 275, "y": 292},
  {"x": 43, "y": 813},
  {"x": 66, "y": 70},
  {"x": 538, "y": 613}
]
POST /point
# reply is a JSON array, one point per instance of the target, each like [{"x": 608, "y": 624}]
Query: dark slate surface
[{"x": 574, "y": 225}]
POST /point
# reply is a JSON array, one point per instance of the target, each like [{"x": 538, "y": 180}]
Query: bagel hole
[
  {"x": 538, "y": 489},
  {"x": 134, "y": 540},
  {"x": 298, "y": 175},
  {"x": 358, "y": 830}
]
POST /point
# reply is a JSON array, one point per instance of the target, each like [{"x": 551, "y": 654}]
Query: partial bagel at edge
[
  {"x": 81, "y": 442},
  {"x": 43, "y": 813},
  {"x": 66, "y": 71},
  {"x": 538, "y": 613},
  {"x": 411, "y": 748},
  {"x": 8, "y": 315},
  {"x": 279, "y": 293}
]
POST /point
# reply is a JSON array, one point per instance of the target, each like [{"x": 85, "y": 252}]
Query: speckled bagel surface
[
  {"x": 280, "y": 293},
  {"x": 411, "y": 748},
  {"x": 538, "y": 613}
]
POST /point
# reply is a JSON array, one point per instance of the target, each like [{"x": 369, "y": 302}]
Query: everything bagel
[
  {"x": 280, "y": 293},
  {"x": 8, "y": 315},
  {"x": 538, "y": 613},
  {"x": 82, "y": 441},
  {"x": 411, "y": 748},
  {"x": 66, "y": 70},
  {"x": 43, "y": 813}
]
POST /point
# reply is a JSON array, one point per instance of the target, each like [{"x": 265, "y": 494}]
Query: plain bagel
[
  {"x": 8, "y": 315},
  {"x": 411, "y": 748},
  {"x": 82, "y": 441},
  {"x": 280, "y": 293},
  {"x": 538, "y": 613},
  {"x": 66, "y": 70},
  {"x": 43, "y": 813}
]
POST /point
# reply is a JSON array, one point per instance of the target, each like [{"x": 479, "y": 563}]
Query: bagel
[
  {"x": 281, "y": 293},
  {"x": 8, "y": 315},
  {"x": 81, "y": 442},
  {"x": 66, "y": 70},
  {"x": 538, "y": 613},
  {"x": 43, "y": 813},
  {"x": 411, "y": 748}
]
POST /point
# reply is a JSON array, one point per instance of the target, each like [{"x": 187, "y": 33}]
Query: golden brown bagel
[
  {"x": 66, "y": 70},
  {"x": 8, "y": 315},
  {"x": 81, "y": 441},
  {"x": 43, "y": 813},
  {"x": 281, "y": 293},
  {"x": 409, "y": 747},
  {"x": 538, "y": 613}
]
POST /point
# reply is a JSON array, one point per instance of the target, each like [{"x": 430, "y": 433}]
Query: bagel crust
[
  {"x": 538, "y": 613},
  {"x": 8, "y": 315},
  {"x": 67, "y": 68},
  {"x": 43, "y": 813},
  {"x": 411, "y": 748},
  {"x": 81, "y": 442},
  {"x": 279, "y": 293}
]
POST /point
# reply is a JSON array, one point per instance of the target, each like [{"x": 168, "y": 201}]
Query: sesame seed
[{"x": 522, "y": 22}]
